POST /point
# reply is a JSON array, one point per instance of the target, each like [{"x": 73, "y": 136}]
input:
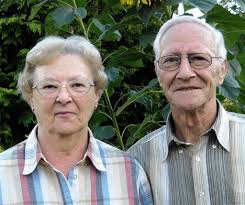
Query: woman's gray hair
[
  {"x": 51, "y": 47},
  {"x": 218, "y": 38}
]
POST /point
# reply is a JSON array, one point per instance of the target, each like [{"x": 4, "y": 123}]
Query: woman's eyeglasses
[{"x": 51, "y": 89}]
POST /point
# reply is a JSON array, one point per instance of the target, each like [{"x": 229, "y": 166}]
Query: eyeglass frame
[
  {"x": 188, "y": 54},
  {"x": 60, "y": 87}
]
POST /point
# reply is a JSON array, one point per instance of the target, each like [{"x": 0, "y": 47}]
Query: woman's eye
[
  {"x": 77, "y": 85},
  {"x": 49, "y": 86}
]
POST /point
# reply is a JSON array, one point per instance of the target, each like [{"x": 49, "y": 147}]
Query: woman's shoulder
[{"x": 13, "y": 153}]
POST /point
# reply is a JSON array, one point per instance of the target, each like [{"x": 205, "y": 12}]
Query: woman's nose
[{"x": 64, "y": 95}]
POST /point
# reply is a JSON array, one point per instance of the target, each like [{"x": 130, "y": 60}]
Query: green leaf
[
  {"x": 27, "y": 119},
  {"x": 204, "y": 6},
  {"x": 165, "y": 112},
  {"x": 230, "y": 25},
  {"x": 139, "y": 130},
  {"x": 63, "y": 16},
  {"x": 109, "y": 28},
  {"x": 138, "y": 63},
  {"x": 241, "y": 59},
  {"x": 125, "y": 56},
  {"x": 51, "y": 28},
  {"x": 81, "y": 11},
  {"x": 103, "y": 132},
  {"x": 99, "y": 25},
  {"x": 35, "y": 27},
  {"x": 112, "y": 74},
  {"x": 235, "y": 67},
  {"x": 146, "y": 40},
  {"x": 98, "y": 117},
  {"x": 136, "y": 96},
  {"x": 230, "y": 87},
  {"x": 35, "y": 9}
]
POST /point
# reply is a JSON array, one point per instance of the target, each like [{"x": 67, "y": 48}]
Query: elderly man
[{"x": 198, "y": 157}]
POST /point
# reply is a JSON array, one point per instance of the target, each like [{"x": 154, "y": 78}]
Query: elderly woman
[{"x": 61, "y": 162}]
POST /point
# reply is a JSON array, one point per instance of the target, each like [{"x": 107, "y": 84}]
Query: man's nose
[
  {"x": 64, "y": 95},
  {"x": 185, "y": 70}
]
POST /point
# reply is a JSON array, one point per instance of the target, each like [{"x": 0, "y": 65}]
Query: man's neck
[{"x": 190, "y": 125}]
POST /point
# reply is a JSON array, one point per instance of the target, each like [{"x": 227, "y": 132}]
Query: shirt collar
[
  {"x": 169, "y": 135},
  {"x": 33, "y": 153},
  {"x": 94, "y": 153},
  {"x": 220, "y": 127}
]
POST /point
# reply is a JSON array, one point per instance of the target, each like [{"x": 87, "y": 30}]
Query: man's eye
[
  {"x": 199, "y": 58},
  {"x": 171, "y": 59}
]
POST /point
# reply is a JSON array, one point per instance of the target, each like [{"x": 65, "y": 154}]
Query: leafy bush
[{"x": 133, "y": 104}]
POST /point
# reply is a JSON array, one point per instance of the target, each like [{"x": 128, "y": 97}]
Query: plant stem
[
  {"x": 65, "y": 3},
  {"x": 80, "y": 20},
  {"x": 114, "y": 120},
  {"x": 83, "y": 27},
  {"x": 74, "y": 3}
]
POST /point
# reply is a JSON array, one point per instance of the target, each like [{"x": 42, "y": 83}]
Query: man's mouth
[{"x": 187, "y": 88}]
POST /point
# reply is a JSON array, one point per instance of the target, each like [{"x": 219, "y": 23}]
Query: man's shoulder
[
  {"x": 236, "y": 117},
  {"x": 150, "y": 138}
]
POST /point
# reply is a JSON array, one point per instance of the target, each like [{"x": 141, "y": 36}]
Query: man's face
[{"x": 187, "y": 88}]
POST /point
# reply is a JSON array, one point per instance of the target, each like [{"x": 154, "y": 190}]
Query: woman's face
[{"x": 64, "y": 113}]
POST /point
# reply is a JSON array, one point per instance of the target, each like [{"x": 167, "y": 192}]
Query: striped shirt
[
  {"x": 106, "y": 176},
  {"x": 209, "y": 172}
]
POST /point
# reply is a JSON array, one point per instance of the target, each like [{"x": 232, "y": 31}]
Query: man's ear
[
  {"x": 157, "y": 71},
  {"x": 223, "y": 71}
]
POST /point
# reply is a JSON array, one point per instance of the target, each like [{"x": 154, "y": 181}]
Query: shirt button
[
  {"x": 214, "y": 146},
  {"x": 181, "y": 151},
  {"x": 198, "y": 159},
  {"x": 74, "y": 176},
  {"x": 201, "y": 194}
]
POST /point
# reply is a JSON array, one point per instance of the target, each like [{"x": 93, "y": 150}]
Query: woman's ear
[
  {"x": 97, "y": 98},
  {"x": 31, "y": 104}
]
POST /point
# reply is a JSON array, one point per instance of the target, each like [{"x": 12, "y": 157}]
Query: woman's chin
[{"x": 67, "y": 128}]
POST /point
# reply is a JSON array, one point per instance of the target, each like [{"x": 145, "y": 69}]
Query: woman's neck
[{"x": 63, "y": 152}]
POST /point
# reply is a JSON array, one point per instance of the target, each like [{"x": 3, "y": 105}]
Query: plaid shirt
[{"x": 106, "y": 176}]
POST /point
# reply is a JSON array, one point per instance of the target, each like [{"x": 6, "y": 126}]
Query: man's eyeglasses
[
  {"x": 196, "y": 60},
  {"x": 51, "y": 89}
]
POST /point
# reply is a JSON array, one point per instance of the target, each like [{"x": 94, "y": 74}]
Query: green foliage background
[{"x": 133, "y": 104}]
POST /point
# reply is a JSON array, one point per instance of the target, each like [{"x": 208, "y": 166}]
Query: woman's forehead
[{"x": 64, "y": 67}]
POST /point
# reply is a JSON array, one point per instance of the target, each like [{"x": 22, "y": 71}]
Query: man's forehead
[
  {"x": 183, "y": 28},
  {"x": 187, "y": 33}
]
